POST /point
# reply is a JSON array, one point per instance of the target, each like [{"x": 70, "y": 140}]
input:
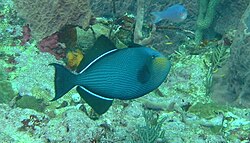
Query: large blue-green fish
[{"x": 107, "y": 73}]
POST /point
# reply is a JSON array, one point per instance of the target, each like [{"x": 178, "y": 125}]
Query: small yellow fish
[
  {"x": 74, "y": 58},
  {"x": 169, "y": 43}
]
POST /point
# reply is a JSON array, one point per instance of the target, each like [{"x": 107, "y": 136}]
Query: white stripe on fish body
[
  {"x": 96, "y": 60},
  {"x": 96, "y": 95}
]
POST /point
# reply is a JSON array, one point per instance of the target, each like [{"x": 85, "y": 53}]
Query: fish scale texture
[
  {"x": 46, "y": 17},
  {"x": 120, "y": 78},
  {"x": 123, "y": 74}
]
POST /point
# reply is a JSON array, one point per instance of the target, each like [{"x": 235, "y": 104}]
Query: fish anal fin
[{"x": 98, "y": 104}]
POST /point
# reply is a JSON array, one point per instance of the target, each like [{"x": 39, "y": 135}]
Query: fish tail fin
[
  {"x": 64, "y": 81},
  {"x": 157, "y": 16}
]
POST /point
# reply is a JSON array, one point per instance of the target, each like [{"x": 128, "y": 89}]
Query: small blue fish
[
  {"x": 176, "y": 13},
  {"x": 110, "y": 73}
]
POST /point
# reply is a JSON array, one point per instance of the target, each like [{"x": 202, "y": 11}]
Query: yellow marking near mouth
[{"x": 161, "y": 62}]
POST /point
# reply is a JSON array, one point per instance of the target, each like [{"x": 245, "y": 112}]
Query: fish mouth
[{"x": 183, "y": 16}]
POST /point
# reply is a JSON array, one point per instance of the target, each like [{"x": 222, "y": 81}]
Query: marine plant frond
[
  {"x": 151, "y": 131},
  {"x": 219, "y": 56},
  {"x": 208, "y": 81}
]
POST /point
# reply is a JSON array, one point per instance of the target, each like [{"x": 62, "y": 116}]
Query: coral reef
[
  {"x": 26, "y": 35},
  {"x": 10, "y": 25},
  {"x": 151, "y": 132},
  {"x": 208, "y": 110},
  {"x": 182, "y": 111},
  {"x": 46, "y": 17},
  {"x": 121, "y": 122},
  {"x": 188, "y": 77},
  {"x": 138, "y": 37},
  {"x": 233, "y": 87},
  {"x": 32, "y": 71},
  {"x": 157, "y": 40},
  {"x": 12, "y": 119},
  {"x": 51, "y": 45},
  {"x": 216, "y": 58},
  {"x": 7, "y": 94},
  {"x": 6, "y": 91},
  {"x": 207, "y": 9},
  {"x": 31, "y": 102},
  {"x": 230, "y": 12},
  {"x": 33, "y": 123},
  {"x": 68, "y": 36},
  {"x": 73, "y": 126},
  {"x": 130, "y": 7}
]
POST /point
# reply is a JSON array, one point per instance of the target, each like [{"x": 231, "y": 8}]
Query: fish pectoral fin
[
  {"x": 99, "y": 104},
  {"x": 143, "y": 74}
]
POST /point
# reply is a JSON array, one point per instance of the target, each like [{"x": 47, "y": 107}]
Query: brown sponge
[{"x": 46, "y": 17}]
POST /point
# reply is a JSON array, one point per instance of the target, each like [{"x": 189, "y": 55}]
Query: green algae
[
  {"x": 40, "y": 93},
  {"x": 6, "y": 91},
  {"x": 208, "y": 110},
  {"x": 7, "y": 94},
  {"x": 32, "y": 103},
  {"x": 152, "y": 131}
]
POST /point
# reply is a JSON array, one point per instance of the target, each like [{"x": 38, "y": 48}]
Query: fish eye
[{"x": 153, "y": 56}]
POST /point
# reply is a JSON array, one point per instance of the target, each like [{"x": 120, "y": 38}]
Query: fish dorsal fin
[
  {"x": 101, "y": 46},
  {"x": 132, "y": 45},
  {"x": 99, "y": 104},
  {"x": 143, "y": 74}
]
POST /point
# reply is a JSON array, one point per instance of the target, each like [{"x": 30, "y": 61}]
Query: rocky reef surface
[{"x": 179, "y": 111}]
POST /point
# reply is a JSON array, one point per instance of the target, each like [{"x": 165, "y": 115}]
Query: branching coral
[
  {"x": 138, "y": 36},
  {"x": 205, "y": 17}
]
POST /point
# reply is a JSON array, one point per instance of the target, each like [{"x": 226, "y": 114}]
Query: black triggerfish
[{"x": 107, "y": 73}]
